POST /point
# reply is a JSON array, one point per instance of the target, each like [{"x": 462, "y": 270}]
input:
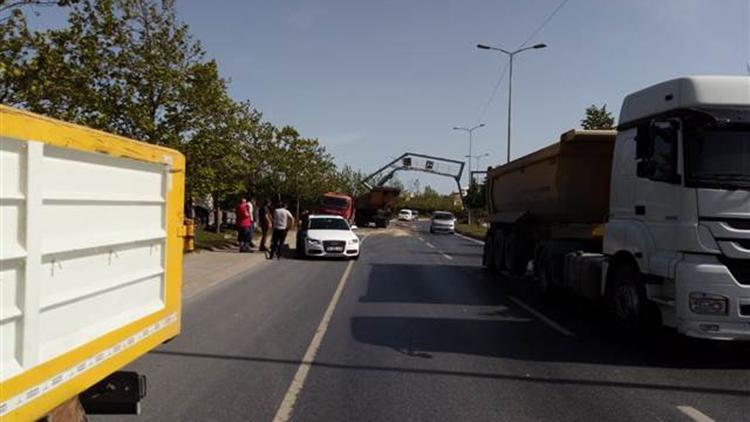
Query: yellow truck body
[{"x": 90, "y": 257}]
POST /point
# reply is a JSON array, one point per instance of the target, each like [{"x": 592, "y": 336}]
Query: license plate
[{"x": 334, "y": 249}]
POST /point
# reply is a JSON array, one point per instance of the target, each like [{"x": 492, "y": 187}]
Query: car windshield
[
  {"x": 442, "y": 216},
  {"x": 717, "y": 156},
  {"x": 334, "y": 202},
  {"x": 328, "y": 224}
]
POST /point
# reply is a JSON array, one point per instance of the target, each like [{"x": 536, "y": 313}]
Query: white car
[
  {"x": 329, "y": 236},
  {"x": 442, "y": 222},
  {"x": 406, "y": 215}
]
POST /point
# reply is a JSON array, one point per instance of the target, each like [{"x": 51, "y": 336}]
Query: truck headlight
[
  {"x": 708, "y": 304},
  {"x": 313, "y": 241}
]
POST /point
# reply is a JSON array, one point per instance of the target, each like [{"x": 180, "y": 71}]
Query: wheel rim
[{"x": 627, "y": 302}]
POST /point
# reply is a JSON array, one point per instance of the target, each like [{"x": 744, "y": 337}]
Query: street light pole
[
  {"x": 476, "y": 160},
  {"x": 471, "y": 131},
  {"x": 510, "y": 55},
  {"x": 510, "y": 102}
]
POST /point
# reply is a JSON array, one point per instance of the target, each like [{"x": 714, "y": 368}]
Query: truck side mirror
[{"x": 644, "y": 145}]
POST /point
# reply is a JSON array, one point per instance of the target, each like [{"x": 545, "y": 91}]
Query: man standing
[
  {"x": 244, "y": 221},
  {"x": 282, "y": 220},
  {"x": 265, "y": 221},
  {"x": 251, "y": 229}
]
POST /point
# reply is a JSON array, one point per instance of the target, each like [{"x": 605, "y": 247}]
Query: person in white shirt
[{"x": 282, "y": 220}]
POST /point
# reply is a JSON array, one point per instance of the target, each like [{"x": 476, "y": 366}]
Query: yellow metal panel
[{"x": 28, "y": 126}]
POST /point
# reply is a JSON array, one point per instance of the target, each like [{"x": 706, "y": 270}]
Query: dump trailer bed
[
  {"x": 375, "y": 206},
  {"x": 565, "y": 183},
  {"x": 90, "y": 257}
]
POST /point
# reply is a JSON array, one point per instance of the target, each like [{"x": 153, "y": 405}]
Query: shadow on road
[
  {"x": 466, "y": 374},
  {"x": 406, "y": 283},
  {"x": 498, "y": 332},
  {"x": 516, "y": 340}
]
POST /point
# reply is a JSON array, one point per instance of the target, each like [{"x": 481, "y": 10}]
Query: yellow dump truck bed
[
  {"x": 90, "y": 257},
  {"x": 566, "y": 182}
]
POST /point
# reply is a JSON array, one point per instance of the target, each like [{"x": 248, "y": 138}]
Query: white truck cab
[{"x": 680, "y": 204}]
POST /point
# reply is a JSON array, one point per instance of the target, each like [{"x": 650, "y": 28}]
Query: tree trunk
[{"x": 217, "y": 213}]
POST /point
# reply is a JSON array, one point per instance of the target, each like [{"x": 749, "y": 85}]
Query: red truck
[{"x": 338, "y": 204}]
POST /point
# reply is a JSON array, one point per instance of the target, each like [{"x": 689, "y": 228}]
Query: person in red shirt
[{"x": 244, "y": 222}]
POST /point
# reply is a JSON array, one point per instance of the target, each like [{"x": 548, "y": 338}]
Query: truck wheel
[
  {"x": 515, "y": 256},
  {"x": 545, "y": 271},
  {"x": 488, "y": 255},
  {"x": 628, "y": 299},
  {"x": 498, "y": 246}
]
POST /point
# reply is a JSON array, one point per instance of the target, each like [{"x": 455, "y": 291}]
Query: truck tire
[
  {"x": 515, "y": 254},
  {"x": 545, "y": 272},
  {"x": 488, "y": 254},
  {"x": 498, "y": 245},
  {"x": 628, "y": 299}
]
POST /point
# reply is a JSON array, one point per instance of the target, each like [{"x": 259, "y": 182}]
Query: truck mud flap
[{"x": 118, "y": 394}]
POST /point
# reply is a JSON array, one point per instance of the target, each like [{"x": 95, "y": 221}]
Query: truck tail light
[{"x": 708, "y": 304}]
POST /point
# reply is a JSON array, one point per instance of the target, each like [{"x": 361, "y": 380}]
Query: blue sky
[{"x": 372, "y": 79}]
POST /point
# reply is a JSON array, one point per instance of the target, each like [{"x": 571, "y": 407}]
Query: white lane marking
[
  {"x": 559, "y": 328},
  {"x": 478, "y": 242},
  {"x": 420, "y": 238},
  {"x": 446, "y": 255},
  {"x": 430, "y": 245},
  {"x": 284, "y": 413},
  {"x": 694, "y": 414}
]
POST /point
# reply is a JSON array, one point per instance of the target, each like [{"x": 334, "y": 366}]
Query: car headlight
[
  {"x": 313, "y": 241},
  {"x": 355, "y": 240}
]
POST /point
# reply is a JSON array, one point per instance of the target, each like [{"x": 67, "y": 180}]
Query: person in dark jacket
[{"x": 265, "y": 222}]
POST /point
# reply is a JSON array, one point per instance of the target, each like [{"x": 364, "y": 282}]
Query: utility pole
[{"x": 510, "y": 55}]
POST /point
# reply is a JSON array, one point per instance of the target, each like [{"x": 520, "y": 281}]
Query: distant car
[
  {"x": 328, "y": 236},
  {"x": 406, "y": 215},
  {"x": 442, "y": 222}
]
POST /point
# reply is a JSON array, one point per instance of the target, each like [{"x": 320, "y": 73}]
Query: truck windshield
[
  {"x": 328, "y": 224},
  {"x": 334, "y": 202},
  {"x": 717, "y": 156}
]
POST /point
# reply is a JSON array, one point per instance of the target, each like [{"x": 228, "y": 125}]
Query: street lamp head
[
  {"x": 484, "y": 47},
  {"x": 542, "y": 45}
]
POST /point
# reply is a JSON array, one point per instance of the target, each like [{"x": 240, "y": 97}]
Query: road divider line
[
  {"x": 478, "y": 242},
  {"x": 557, "y": 327},
  {"x": 284, "y": 413},
  {"x": 430, "y": 245},
  {"x": 694, "y": 414},
  {"x": 446, "y": 255}
]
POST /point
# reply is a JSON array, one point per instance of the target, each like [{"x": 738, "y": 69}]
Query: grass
[
  {"x": 210, "y": 240},
  {"x": 474, "y": 231}
]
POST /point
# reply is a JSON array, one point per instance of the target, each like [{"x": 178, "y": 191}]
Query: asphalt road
[{"x": 418, "y": 331}]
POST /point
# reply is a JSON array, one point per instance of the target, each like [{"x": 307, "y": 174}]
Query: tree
[
  {"x": 349, "y": 181},
  {"x": 131, "y": 67},
  {"x": 597, "y": 118}
]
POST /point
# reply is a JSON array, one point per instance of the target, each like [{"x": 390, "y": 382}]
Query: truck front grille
[
  {"x": 738, "y": 224},
  {"x": 740, "y": 269}
]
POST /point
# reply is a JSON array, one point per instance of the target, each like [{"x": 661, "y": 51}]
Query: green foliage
[
  {"x": 427, "y": 201},
  {"x": 475, "y": 197},
  {"x": 598, "y": 118},
  {"x": 131, "y": 67}
]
